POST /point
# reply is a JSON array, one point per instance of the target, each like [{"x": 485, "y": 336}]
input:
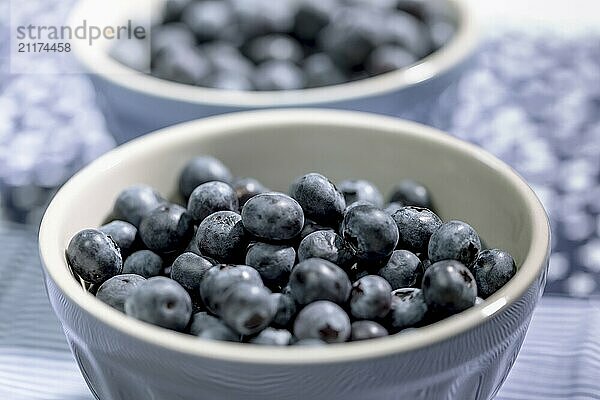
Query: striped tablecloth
[{"x": 559, "y": 360}]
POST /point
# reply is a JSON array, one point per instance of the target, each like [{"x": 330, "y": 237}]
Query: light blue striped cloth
[{"x": 559, "y": 360}]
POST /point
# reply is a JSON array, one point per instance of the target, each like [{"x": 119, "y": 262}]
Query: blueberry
[
  {"x": 181, "y": 63},
  {"x": 454, "y": 240},
  {"x": 360, "y": 190},
  {"x": 222, "y": 236},
  {"x": 226, "y": 58},
  {"x": 273, "y": 262},
  {"x": 144, "y": 263},
  {"x": 259, "y": 17},
  {"x": 248, "y": 307},
  {"x": 166, "y": 228},
  {"x": 115, "y": 290},
  {"x": 404, "y": 269},
  {"x": 404, "y": 30},
  {"x": 389, "y": 58},
  {"x": 247, "y": 188},
  {"x": 208, "y": 19},
  {"x": 370, "y": 297},
  {"x": 273, "y": 216},
  {"x": 164, "y": 36},
  {"x": 94, "y": 256},
  {"x": 311, "y": 227},
  {"x": 318, "y": 279},
  {"x": 132, "y": 53},
  {"x": 327, "y": 245},
  {"x": 160, "y": 301},
  {"x": 409, "y": 309},
  {"x": 221, "y": 277},
  {"x": 323, "y": 320},
  {"x": 274, "y": 47},
  {"x": 415, "y": 227},
  {"x": 278, "y": 75},
  {"x": 211, "y": 197},
  {"x": 492, "y": 270},
  {"x": 122, "y": 233},
  {"x": 189, "y": 269},
  {"x": 309, "y": 342},
  {"x": 321, "y": 201},
  {"x": 320, "y": 70},
  {"x": 173, "y": 9},
  {"x": 201, "y": 170},
  {"x": 227, "y": 80},
  {"x": 391, "y": 208},
  {"x": 449, "y": 287},
  {"x": 205, "y": 326},
  {"x": 363, "y": 330},
  {"x": 134, "y": 202},
  {"x": 411, "y": 193},
  {"x": 441, "y": 33},
  {"x": 273, "y": 337},
  {"x": 312, "y": 16},
  {"x": 286, "y": 310},
  {"x": 370, "y": 232}
]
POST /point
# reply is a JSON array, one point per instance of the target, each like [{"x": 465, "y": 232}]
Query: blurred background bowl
[{"x": 135, "y": 103}]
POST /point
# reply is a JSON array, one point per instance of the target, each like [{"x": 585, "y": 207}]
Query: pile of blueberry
[
  {"x": 324, "y": 264},
  {"x": 289, "y": 44}
]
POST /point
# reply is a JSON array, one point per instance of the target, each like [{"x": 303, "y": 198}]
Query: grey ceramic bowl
[
  {"x": 467, "y": 356},
  {"x": 135, "y": 103}
]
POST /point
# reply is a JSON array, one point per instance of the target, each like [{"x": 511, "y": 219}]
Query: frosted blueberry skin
[
  {"x": 404, "y": 269},
  {"x": 93, "y": 256},
  {"x": 221, "y": 277},
  {"x": 273, "y": 262},
  {"x": 321, "y": 201},
  {"x": 320, "y": 70},
  {"x": 160, "y": 301},
  {"x": 408, "y": 309},
  {"x": 286, "y": 310},
  {"x": 114, "y": 291},
  {"x": 122, "y": 233},
  {"x": 211, "y": 197},
  {"x": 328, "y": 245},
  {"x": 201, "y": 170},
  {"x": 278, "y": 75},
  {"x": 145, "y": 263},
  {"x": 312, "y": 226},
  {"x": 454, "y": 240},
  {"x": 166, "y": 228},
  {"x": 370, "y": 297},
  {"x": 247, "y": 188},
  {"x": 222, "y": 236},
  {"x": 449, "y": 287},
  {"x": 181, "y": 63},
  {"x": 248, "y": 307},
  {"x": 411, "y": 193},
  {"x": 273, "y": 337},
  {"x": 363, "y": 330},
  {"x": 415, "y": 227},
  {"x": 189, "y": 269},
  {"x": 389, "y": 58},
  {"x": 492, "y": 270},
  {"x": 206, "y": 326},
  {"x": 323, "y": 320},
  {"x": 273, "y": 216},
  {"x": 369, "y": 232},
  {"x": 208, "y": 20},
  {"x": 317, "y": 279},
  {"x": 274, "y": 47},
  {"x": 135, "y": 202},
  {"x": 360, "y": 190}
]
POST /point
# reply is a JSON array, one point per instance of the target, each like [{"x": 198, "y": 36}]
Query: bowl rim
[
  {"x": 54, "y": 263},
  {"x": 455, "y": 52}
]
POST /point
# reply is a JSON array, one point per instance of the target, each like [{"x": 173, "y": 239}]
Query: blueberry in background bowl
[
  {"x": 292, "y": 51},
  {"x": 460, "y": 357}
]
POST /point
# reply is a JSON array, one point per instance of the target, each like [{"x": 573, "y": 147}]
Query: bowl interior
[{"x": 277, "y": 146}]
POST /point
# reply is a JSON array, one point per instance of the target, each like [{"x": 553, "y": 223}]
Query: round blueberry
[
  {"x": 363, "y": 330},
  {"x": 247, "y": 188},
  {"x": 411, "y": 193},
  {"x": 205, "y": 326},
  {"x": 320, "y": 70},
  {"x": 389, "y": 58},
  {"x": 441, "y": 33},
  {"x": 122, "y": 233},
  {"x": 415, "y": 227},
  {"x": 320, "y": 199},
  {"x": 286, "y": 310},
  {"x": 370, "y": 232},
  {"x": 115, "y": 290},
  {"x": 327, "y": 245},
  {"x": 160, "y": 301},
  {"x": 222, "y": 236},
  {"x": 134, "y": 202},
  {"x": 166, "y": 228},
  {"x": 408, "y": 308},
  {"x": 94, "y": 256},
  {"x": 208, "y": 19},
  {"x": 181, "y": 63},
  {"x": 221, "y": 277},
  {"x": 201, "y": 170},
  {"x": 226, "y": 58},
  {"x": 211, "y": 197},
  {"x": 273, "y": 216},
  {"x": 318, "y": 279},
  {"x": 492, "y": 270},
  {"x": 312, "y": 16},
  {"x": 274, "y": 47},
  {"x": 189, "y": 269},
  {"x": 404, "y": 269},
  {"x": 404, "y": 30},
  {"x": 454, "y": 240},
  {"x": 273, "y": 337},
  {"x": 278, "y": 75},
  {"x": 163, "y": 37},
  {"x": 145, "y": 263},
  {"x": 273, "y": 262},
  {"x": 323, "y": 320},
  {"x": 449, "y": 287},
  {"x": 370, "y": 297},
  {"x": 248, "y": 307},
  {"x": 360, "y": 190}
]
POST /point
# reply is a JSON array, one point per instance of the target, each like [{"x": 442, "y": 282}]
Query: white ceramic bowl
[
  {"x": 136, "y": 103},
  {"x": 463, "y": 357}
]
